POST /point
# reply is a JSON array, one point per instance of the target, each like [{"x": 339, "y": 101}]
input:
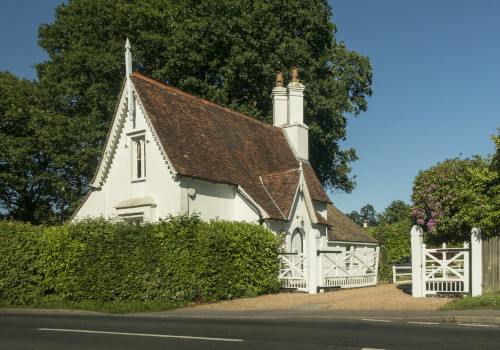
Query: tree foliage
[
  {"x": 43, "y": 158},
  {"x": 356, "y": 217},
  {"x": 224, "y": 51},
  {"x": 367, "y": 213},
  {"x": 397, "y": 211},
  {"x": 452, "y": 197},
  {"x": 396, "y": 240},
  {"x": 496, "y": 157}
]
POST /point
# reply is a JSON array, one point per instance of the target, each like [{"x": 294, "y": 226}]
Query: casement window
[
  {"x": 138, "y": 158},
  {"x": 135, "y": 218}
]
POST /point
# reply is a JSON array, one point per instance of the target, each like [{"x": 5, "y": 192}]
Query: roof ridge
[{"x": 175, "y": 90}]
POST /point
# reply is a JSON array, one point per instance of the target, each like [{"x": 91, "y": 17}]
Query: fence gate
[
  {"x": 446, "y": 270},
  {"x": 347, "y": 269},
  {"x": 293, "y": 271},
  {"x": 443, "y": 270}
]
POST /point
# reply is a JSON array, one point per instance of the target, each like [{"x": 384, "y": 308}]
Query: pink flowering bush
[{"x": 453, "y": 196}]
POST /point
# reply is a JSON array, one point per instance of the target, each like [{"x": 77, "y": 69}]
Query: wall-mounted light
[{"x": 301, "y": 220}]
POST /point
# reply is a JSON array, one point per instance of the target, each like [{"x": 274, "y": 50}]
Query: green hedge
[
  {"x": 179, "y": 259},
  {"x": 395, "y": 246},
  {"x": 396, "y": 239}
]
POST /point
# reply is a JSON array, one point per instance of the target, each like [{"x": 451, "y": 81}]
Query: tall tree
[
  {"x": 496, "y": 157},
  {"x": 396, "y": 211},
  {"x": 356, "y": 217},
  {"x": 367, "y": 213},
  {"x": 40, "y": 162},
  {"x": 221, "y": 50}
]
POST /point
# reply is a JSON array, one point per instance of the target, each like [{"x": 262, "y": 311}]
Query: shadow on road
[{"x": 405, "y": 288}]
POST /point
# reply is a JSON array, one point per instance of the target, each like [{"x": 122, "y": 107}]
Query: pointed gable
[{"x": 206, "y": 141}]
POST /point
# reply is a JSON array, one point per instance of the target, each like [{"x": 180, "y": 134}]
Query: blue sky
[{"x": 436, "y": 83}]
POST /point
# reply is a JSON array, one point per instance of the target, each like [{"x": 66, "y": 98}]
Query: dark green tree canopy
[
  {"x": 43, "y": 158},
  {"x": 367, "y": 213},
  {"x": 221, "y": 50},
  {"x": 396, "y": 211},
  {"x": 496, "y": 157},
  {"x": 356, "y": 217}
]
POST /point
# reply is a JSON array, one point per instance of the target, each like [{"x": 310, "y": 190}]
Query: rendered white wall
[
  {"x": 119, "y": 185},
  {"x": 321, "y": 208},
  {"x": 93, "y": 206},
  {"x": 299, "y": 218},
  {"x": 213, "y": 200},
  {"x": 298, "y": 137},
  {"x": 280, "y": 106}
]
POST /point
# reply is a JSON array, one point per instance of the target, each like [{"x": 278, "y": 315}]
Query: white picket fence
[
  {"x": 357, "y": 267},
  {"x": 396, "y": 272}
]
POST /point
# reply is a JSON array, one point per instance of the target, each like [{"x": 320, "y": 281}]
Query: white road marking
[
  {"x": 374, "y": 320},
  {"x": 423, "y": 322},
  {"x": 371, "y": 349},
  {"x": 477, "y": 325},
  {"x": 138, "y": 334}
]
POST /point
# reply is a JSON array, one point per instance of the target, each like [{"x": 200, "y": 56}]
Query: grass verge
[
  {"x": 111, "y": 307},
  {"x": 487, "y": 301}
]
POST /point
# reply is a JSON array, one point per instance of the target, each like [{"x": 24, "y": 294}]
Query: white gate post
[
  {"x": 476, "y": 250},
  {"x": 417, "y": 239},
  {"x": 312, "y": 257},
  {"x": 467, "y": 277}
]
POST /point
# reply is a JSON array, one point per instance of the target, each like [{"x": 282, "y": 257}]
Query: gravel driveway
[{"x": 380, "y": 297}]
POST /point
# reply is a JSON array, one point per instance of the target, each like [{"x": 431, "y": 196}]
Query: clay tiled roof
[
  {"x": 278, "y": 186},
  {"x": 343, "y": 229},
  {"x": 314, "y": 186},
  {"x": 207, "y": 141}
]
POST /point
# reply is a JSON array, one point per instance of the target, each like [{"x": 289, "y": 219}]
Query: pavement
[
  {"x": 457, "y": 316},
  {"x": 477, "y": 316}
]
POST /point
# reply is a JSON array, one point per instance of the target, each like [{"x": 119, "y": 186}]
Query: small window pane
[{"x": 139, "y": 159}]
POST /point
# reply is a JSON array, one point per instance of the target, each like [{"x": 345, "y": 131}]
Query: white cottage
[{"x": 169, "y": 152}]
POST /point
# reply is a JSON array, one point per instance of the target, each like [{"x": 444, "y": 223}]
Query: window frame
[{"x": 138, "y": 157}]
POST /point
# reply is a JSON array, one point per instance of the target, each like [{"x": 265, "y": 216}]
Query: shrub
[
  {"x": 21, "y": 266},
  {"x": 396, "y": 239},
  {"x": 454, "y": 196},
  {"x": 178, "y": 259}
]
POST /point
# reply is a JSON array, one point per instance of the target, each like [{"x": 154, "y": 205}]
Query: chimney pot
[
  {"x": 279, "y": 78},
  {"x": 295, "y": 74}
]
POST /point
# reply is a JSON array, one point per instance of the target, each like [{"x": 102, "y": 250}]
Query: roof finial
[{"x": 128, "y": 59}]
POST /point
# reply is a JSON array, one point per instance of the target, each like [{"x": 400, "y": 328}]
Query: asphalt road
[{"x": 83, "y": 331}]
